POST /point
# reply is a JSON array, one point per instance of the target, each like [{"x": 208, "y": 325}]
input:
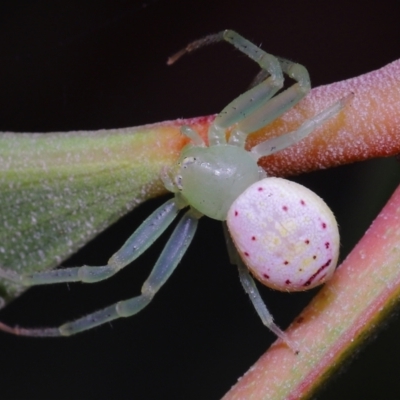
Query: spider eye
[
  {"x": 188, "y": 161},
  {"x": 178, "y": 182}
]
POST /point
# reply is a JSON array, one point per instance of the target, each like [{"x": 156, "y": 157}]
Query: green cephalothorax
[{"x": 209, "y": 179}]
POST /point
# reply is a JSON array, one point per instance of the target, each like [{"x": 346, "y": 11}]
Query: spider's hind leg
[{"x": 251, "y": 289}]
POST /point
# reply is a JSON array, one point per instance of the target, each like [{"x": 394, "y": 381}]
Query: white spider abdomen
[{"x": 286, "y": 234}]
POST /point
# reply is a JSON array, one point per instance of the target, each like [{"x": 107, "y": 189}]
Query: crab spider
[{"x": 280, "y": 231}]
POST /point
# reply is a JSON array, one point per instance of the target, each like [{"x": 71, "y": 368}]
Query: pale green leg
[
  {"x": 273, "y": 108},
  {"x": 165, "y": 265},
  {"x": 251, "y": 289},
  {"x": 193, "y": 135},
  {"x": 288, "y": 139},
  {"x": 244, "y": 105},
  {"x": 141, "y": 240},
  {"x": 256, "y": 107}
]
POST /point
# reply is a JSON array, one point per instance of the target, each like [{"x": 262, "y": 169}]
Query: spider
[{"x": 276, "y": 230}]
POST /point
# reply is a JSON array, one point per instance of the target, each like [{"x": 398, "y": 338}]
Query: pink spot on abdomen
[{"x": 313, "y": 276}]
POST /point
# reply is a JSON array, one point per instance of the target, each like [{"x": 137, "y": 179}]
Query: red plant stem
[{"x": 368, "y": 127}]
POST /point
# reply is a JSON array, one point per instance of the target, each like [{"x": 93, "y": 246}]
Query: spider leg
[
  {"x": 279, "y": 143},
  {"x": 271, "y": 108},
  {"x": 192, "y": 135},
  {"x": 165, "y": 265},
  {"x": 246, "y": 104},
  {"x": 251, "y": 289},
  {"x": 257, "y": 107},
  {"x": 140, "y": 240}
]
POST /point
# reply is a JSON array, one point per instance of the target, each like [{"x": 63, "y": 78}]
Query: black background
[{"x": 73, "y": 65}]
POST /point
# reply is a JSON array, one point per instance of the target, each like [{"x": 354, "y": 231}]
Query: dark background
[{"x": 72, "y": 65}]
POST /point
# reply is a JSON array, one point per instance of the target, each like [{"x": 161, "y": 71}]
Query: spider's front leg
[
  {"x": 257, "y": 107},
  {"x": 279, "y": 143},
  {"x": 165, "y": 265},
  {"x": 170, "y": 257},
  {"x": 137, "y": 243}
]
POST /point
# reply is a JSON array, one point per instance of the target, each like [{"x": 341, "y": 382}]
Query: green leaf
[{"x": 59, "y": 190}]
